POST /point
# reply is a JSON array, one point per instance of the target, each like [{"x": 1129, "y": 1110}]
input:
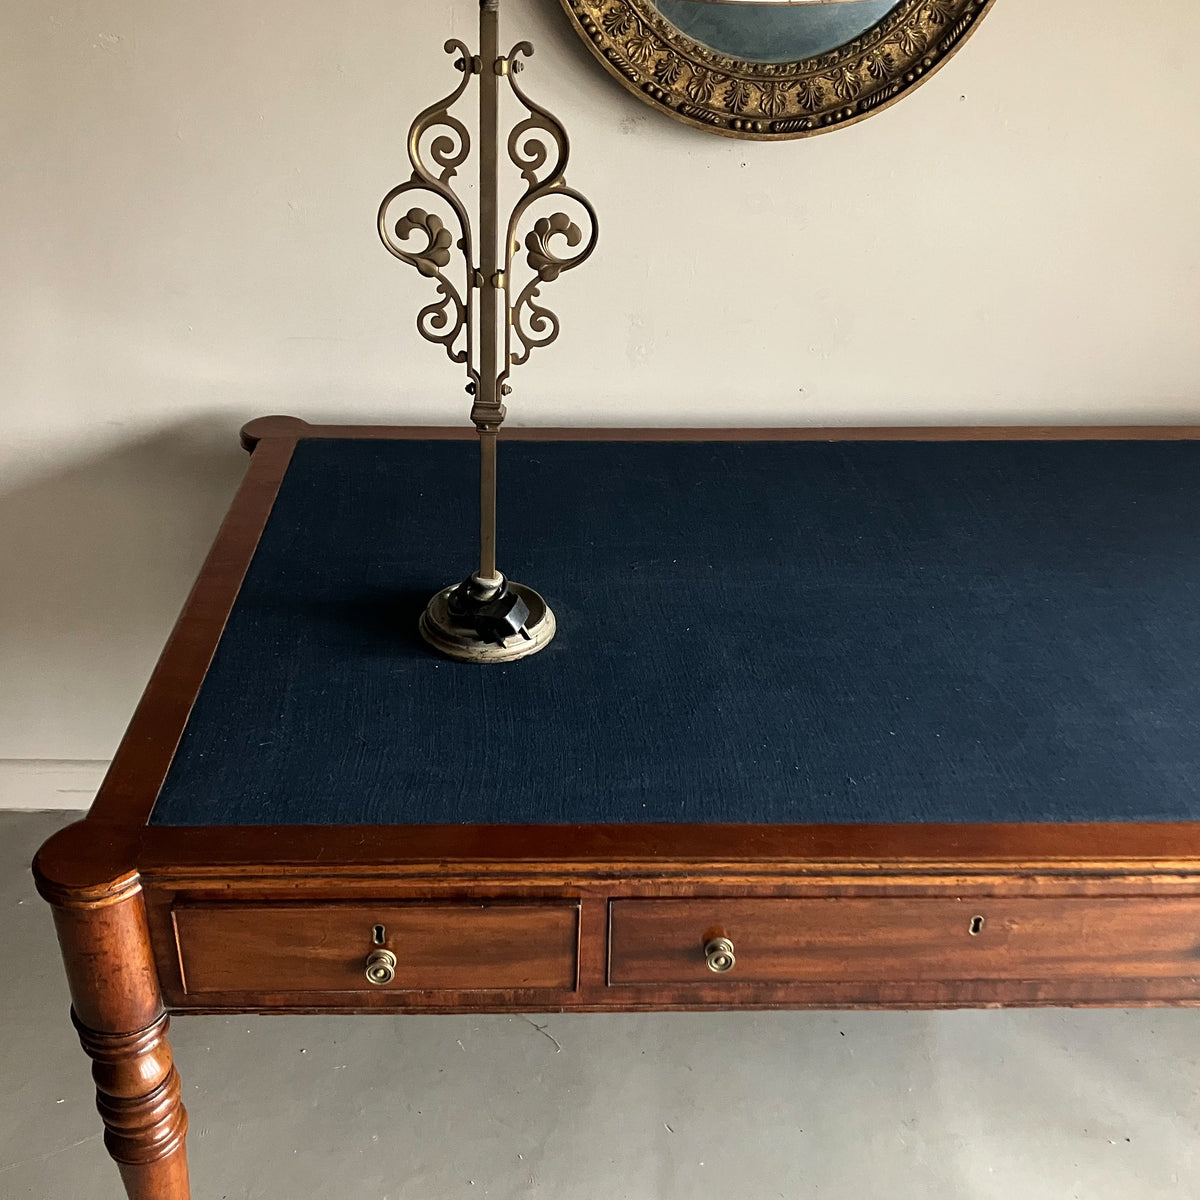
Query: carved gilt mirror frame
[{"x": 773, "y": 99}]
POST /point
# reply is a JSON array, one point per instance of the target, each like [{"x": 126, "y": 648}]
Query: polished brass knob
[
  {"x": 718, "y": 953},
  {"x": 381, "y": 967}
]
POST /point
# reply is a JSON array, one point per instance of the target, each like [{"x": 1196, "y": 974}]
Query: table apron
[{"x": 635, "y": 945}]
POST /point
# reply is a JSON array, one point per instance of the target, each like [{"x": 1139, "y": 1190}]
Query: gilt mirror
[{"x": 773, "y": 69}]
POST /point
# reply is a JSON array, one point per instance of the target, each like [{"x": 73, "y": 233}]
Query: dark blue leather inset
[{"x": 748, "y": 632}]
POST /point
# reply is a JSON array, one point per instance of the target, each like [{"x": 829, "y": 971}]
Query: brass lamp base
[{"x": 458, "y": 639}]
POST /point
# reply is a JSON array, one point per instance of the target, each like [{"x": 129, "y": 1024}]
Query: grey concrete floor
[{"x": 1035, "y": 1105}]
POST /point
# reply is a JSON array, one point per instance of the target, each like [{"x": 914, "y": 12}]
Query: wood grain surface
[
  {"x": 323, "y": 948},
  {"x": 864, "y": 939}
]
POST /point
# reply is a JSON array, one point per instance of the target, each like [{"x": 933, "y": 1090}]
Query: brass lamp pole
[{"x": 486, "y": 617}]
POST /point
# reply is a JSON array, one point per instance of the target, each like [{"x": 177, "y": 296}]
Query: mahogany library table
[{"x": 834, "y": 718}]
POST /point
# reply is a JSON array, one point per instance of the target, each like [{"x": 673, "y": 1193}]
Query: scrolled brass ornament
[
  {"x": 446, "y": 319},
  {"x": 692, "y": 60},
  {"x": 486, "y": 617}
]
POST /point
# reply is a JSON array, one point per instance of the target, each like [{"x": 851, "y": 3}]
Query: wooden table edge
[
  {"x": 284, "y": 428},
  {"x": 91, "y": 857}
]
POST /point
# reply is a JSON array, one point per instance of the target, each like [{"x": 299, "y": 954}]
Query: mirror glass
[{"x": 773, "y": 30}]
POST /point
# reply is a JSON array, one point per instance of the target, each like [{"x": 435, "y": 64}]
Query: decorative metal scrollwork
[
  {"x": 487, "y": 617},
  {"x": 444, "y": 320},
  {"x": 538, "y": 147}
]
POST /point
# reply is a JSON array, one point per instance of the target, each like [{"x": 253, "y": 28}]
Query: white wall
[{"x": 187, "y": 240}]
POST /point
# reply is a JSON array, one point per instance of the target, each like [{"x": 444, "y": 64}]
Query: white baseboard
[{"x": 41, "y": 783}]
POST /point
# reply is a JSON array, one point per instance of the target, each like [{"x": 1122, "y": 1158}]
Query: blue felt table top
[{"x": 748, "y": 632}]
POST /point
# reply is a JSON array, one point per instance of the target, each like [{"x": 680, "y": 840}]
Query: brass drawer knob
[
  {"x": 718, "y": 953},
  {"x": 381, "y": 967}
]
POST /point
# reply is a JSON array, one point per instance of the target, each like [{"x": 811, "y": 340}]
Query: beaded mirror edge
[{"x": 772, "y": 101}]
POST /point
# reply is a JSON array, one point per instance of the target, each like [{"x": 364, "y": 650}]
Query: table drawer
[
  {"x": 871, "y": 939},
  {"x": 279, "y": 948}
]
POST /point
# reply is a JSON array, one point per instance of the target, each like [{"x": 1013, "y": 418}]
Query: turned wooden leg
[
  {"x": 100, "y": 915},
  {"x": 138, "y": 1095}
]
